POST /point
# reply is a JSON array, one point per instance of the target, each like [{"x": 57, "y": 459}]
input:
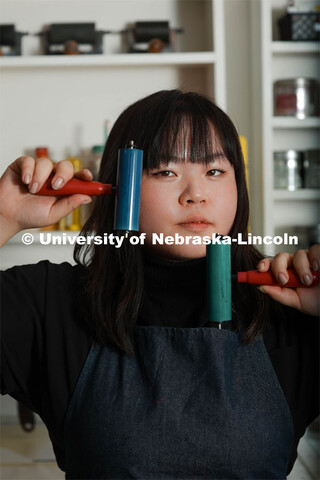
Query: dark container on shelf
[{"x": 300, "y": 26}]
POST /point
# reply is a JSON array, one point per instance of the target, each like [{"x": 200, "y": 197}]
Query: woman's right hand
[{"x": 21, "y": 209}]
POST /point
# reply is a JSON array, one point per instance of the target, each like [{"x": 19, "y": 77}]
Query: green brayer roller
[{"x": 219, "y": 283}]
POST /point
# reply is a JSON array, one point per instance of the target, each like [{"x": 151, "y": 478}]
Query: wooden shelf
[
  {"x": 301, "y": 194},
  {"x": 121, "y": 60},
  {"x": 292, "y": 122},
  {"x": 279, "y": 48}
]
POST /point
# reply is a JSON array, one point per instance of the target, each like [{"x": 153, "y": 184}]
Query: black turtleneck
[{"x": 175, "y": 293}]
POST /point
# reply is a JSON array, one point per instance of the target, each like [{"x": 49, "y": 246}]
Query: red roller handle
[
  {"x": 266, "y": 278},
  {"x": 76, "y": 186}
]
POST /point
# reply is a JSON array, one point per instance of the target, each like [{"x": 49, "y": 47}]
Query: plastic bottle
[
  {"x": 75, "y": 217},
  {"x": 95, "y": 160}
]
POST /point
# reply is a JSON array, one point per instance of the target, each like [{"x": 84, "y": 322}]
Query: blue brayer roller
[
  {"x": 128, "y": 187},
  {"x": 129, "y": 174},
  {"x": 219, "y": 283}
]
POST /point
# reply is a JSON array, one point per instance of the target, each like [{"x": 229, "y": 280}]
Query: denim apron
[{"x": 193, "y": 404}]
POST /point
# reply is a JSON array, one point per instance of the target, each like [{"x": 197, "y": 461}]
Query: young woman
[{"x": 116, "y": 354}]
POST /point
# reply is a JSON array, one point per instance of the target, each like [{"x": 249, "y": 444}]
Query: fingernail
[
  {"x": 57, "y": 183},
  {"x": 261, "y": 266},
  {"x": 27, "y": 179},
  {"x": 262, "y": 289},
  {"x": 34, "y": 187},
  {"x": 307, "y": 280},
  {"x": 88, "y": 200},
  {"x": 315, "y": 266},
  {"x": 282, "y": 278}
]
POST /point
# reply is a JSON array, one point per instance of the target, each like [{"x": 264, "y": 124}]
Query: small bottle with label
[
  {"x": 95, "y": 160},
  {"x": 75, "y": 217}
]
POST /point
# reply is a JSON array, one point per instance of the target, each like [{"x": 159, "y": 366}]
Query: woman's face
[{"x": 188, "y": 199}]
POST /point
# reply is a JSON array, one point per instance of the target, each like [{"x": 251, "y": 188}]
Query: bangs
[
  {"x": 172, "y": 126},
  {"x": 184, "y": 136}
]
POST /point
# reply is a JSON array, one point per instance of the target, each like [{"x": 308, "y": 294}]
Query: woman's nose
[{"x": 193, "y": 194}]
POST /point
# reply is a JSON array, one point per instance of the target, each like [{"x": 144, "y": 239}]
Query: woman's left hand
[{"x": 307, "y": 300}]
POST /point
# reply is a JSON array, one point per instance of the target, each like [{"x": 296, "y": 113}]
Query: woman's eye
[
  {"x": 214, "y": 172},
  {"x": 163, "y": 173}
]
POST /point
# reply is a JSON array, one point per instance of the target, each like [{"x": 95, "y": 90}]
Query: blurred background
[{"x": 68, "y": 68}]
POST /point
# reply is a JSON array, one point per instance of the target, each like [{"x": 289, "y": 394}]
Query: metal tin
[
  {"x": 311, "y": 168},
  {"x": 314, "y": 235},
  {"x": 287, "y": 169},
  {"x": 296, "y": 97}
]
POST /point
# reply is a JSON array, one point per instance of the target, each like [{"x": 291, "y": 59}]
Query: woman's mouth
[{"x": 195, "y": 224}]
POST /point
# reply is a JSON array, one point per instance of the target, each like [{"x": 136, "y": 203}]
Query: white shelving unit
[
  {"x": 281, "y": 211},
  {"x": 63, "y": 101}
]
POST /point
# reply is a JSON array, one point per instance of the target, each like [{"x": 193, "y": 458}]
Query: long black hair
[{"x": 114, "y": 277}]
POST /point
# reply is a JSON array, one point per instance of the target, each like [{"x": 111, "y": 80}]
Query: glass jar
[
  {"x": 311, "y": 168},
  {"x": 296, "y": 97},
  {"x": 287, "y": 169}
]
